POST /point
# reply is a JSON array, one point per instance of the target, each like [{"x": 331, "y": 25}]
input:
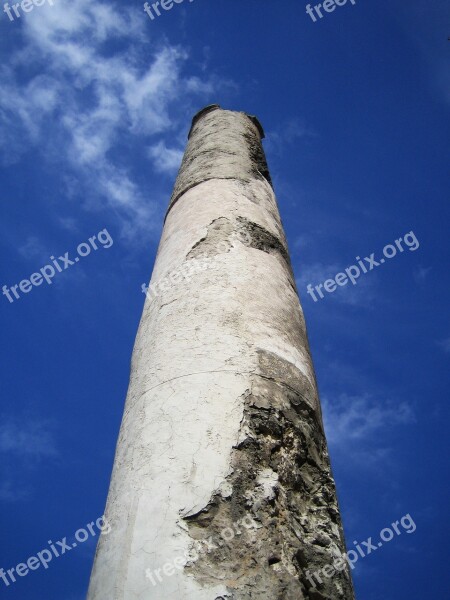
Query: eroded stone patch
[
  {"x": 281, "y": 478},
  {"x": 223, "y": 233}
]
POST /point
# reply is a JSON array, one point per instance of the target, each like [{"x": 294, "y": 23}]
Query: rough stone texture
[
  {"x": 222, "y": 145},
  {"x": 222, "y": 420}
]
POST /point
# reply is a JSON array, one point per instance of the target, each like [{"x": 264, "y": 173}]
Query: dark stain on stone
[
  {"x": 222, "y": 234},
  {"x": 215, "y": 151},
  {"x": 257, "y": 155},
  {"x": 281, "y": 479}
]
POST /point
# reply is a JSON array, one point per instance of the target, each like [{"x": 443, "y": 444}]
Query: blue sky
[{"x": 95, "y": 104}]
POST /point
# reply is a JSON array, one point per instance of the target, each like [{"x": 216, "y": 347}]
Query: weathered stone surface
[
  {"x": 222, "y": 422},
  {"x": 222, "y": 145},
  {"x": 281, "y": 478}
]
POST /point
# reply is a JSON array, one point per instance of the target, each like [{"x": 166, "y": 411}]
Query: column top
[
  {"x": 222, "y": 144},
  {"x": 210, "y": 107}
]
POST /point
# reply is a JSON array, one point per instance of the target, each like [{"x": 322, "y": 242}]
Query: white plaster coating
[{"x": 194, "y": 357}]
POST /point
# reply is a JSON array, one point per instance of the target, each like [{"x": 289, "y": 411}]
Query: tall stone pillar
[{"x": 221, "y": 487}]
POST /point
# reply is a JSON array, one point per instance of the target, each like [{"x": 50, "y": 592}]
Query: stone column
[{"x": 221, "y": 487}]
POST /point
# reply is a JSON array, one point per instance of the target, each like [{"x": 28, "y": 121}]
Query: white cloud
[
  {"x": 32, "y": 248},
  {"x": 286, "y": 134},
  {"x": 68, "y": 223},
  {"x": 79, "y": 103},
  {"x": 301, "y": 241},
  {"x": 420, "y": 274},
  {"x": 165, "y": 160},
  {"x": 10, "y": 493},
  {"x": 27, "y": 438},
  {"x": 360, "y": 420}
]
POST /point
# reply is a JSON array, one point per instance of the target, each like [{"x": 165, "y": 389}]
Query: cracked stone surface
[{"x": 222, "y": 419}]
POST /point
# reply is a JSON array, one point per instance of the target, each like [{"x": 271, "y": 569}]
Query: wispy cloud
[
  {"x": 32, "y": 248},
  {"x": 301, "y": 241},
  {"x": 362, "y": 422},
  {"x": 27, "y": 438},
  {"x": 165, "y": 160},
  {"x": 79, "y": 102},
  {"x": 68, "y": 223},
  {"x": 287, "y": 133},
  {"x": 421, "y": 273},
  {"x": 25, "y": 442},
  {"x": 10, "y": 493}
]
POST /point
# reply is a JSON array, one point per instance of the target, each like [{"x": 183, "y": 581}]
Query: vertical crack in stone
[{"x": 281, "y": 480}]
